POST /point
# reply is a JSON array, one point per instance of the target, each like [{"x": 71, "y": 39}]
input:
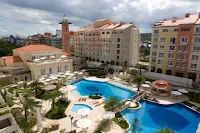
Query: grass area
[
  {"x": 58, "y": 111},
  {"x": 95, "y": 96},
  {"x": 9, "y": 101},
  {"x": 103, "y": 125},
  {"x": 194, "y": 97},
  {"x": 119, "y": 120},
  {"x": 136, "y": 106},
  {"x": 20, "y": 120}
]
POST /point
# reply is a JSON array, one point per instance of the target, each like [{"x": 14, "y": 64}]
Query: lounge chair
[{"x": 79, "y": 99}]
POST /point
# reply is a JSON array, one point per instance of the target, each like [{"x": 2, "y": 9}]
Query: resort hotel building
[
  {"x": 176, "y": 47},
  {"x": 108, "y": 42}
]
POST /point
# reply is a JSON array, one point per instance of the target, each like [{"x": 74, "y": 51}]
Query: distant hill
[{"x": 145, "y": 36}]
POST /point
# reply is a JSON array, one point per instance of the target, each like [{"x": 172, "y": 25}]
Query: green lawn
[{"x": 58, "y": 111}]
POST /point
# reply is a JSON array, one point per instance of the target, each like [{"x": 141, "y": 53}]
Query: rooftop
[
  {"x": 188, "y": 19},
  {"x": 12, "y": 59},
  {"x": 123, "y": 27},
  {"x": 37, "y": 48}
]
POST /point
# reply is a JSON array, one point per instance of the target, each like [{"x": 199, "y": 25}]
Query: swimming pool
[
  {"x": 76, "y": 107},
  {"x": 153, "y": 116},
  {"x": 86, "y": 87}
]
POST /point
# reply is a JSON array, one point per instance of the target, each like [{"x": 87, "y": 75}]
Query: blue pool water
[
  {"x": 153, "y": 116},
  {"x": 76, "y": 107},
  {"x": 85, "y": 88}
]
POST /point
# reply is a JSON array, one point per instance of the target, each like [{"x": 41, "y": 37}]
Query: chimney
[
  {"x": 164, "y": 19},
  {"x": 187, "y": 15},
  {"x": 122, "y": 23},
  {"x": 174, "y": 19}
]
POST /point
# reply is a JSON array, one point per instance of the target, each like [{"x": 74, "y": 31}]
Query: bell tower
[{"x": 65, "y": 34}]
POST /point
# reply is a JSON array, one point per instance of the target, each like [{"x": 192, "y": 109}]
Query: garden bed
[
  {"x": 95, "y": 96},
  {"x": 59, "y": 110},
  {"x": 119, "y": 120}
]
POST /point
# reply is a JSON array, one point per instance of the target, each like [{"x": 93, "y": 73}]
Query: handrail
[{"x": 135, "y": 98}]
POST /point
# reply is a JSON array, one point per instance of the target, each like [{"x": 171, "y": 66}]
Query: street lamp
[{"x": 71, "y": 118}]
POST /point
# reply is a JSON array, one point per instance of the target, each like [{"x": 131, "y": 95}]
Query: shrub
[
  {"x": 146, "y": 97},
  {"x": 4, "y": 112},
  {"x": 149, "y": 79},
  {"x": 95, "y": 96},
  {"x": 59, "y": 110},
  {"x": 9, "y": 101},
  {"x": 155, "y": 100},
  {"x": 118, "y": 115},
  {"x": 3, "y": 105},
  {"x": 103, "y": 124}
]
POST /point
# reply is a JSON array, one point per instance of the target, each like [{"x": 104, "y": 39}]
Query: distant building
[
  {"x": 11, "y": 39},
  {"x": 59, "y": 34}
]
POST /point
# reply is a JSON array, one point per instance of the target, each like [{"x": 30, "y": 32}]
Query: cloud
[{"x": 25, "y": 17}]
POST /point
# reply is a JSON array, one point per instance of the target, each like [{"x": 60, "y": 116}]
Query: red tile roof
[
  {"x": 37, "y": 48},
  {"x": 12, "y": 59}
]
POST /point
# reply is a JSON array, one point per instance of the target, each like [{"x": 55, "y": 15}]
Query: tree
[
  {"x": 139, "y": 80},
  {"x": 28, "y": 103},
  {"x": 52, "y": 95},
  {"x": 112, "y": 104},
  {"x": 35, "y": 85},
  {"x": 165, "y": 130},
  {"x": 133, "y": 73},
  {"x": 140, "y": 67},
  {"x": 136, "y": 126}
]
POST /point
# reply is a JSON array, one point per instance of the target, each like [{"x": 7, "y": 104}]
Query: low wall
[{"x": 176, "y": 81}]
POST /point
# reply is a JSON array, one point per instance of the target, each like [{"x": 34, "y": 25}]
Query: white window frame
[{"x": 184, "y": 40}]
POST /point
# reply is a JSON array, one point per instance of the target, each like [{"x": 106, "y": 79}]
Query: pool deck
[{"x": 95, "y": 115}]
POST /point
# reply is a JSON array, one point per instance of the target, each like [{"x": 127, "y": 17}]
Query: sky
[{"x": 28, "y": 17}]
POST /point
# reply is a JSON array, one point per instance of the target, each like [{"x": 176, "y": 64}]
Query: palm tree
[
  {"x": 133, "y": 73},
  {"x": 112, "y": 104},
  {"x": 28, "y": 103},
  {"x": 136, "y": 126},
  {"x": 35, "y": 85},
  {"x": 140, "y": 66},
  {"x": 165, "y": 130},
  {"x": 139, "y": 80},
  {"x": 52, "y": 95}
]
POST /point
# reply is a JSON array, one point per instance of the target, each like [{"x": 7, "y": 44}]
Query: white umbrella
[
  {"x": 67, "y": 74},
  {"x": 20, "y": 82},
  {"x": 83, "y": 123},
  {"x": 42, "y": 58},
  {"x": 53, "y": 77},
  {"x": 68, "y": 71},
  {"x": 84, "y": 111},
  {"x": 83, "y": 70},
  {"x": 42, "y": 78},
  {"x": 183, "y": 90},
  {"x": 71, "y": 74},
  {"x": 50, "y": 87},
  {"x": 52, "y": 57},
  {"x": 145, "y": 85},
  {"x": 60, "y": 73},
  {"x": 47, "y": 80},
  {"x": 108, "y": 115},
  {"x": 147, "y": 82},
  {"x": 36, "y": 60},
  {"x": 75, "y": 72},
  {"x": 177, "y": 93},
  {"x": 80, "y": 73},
  {"x": 63, "y": 56}
]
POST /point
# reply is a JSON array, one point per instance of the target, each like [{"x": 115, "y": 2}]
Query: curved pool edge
[
  {"x": 152, "y": 102},
  {"x": 81, "y": 104}
]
